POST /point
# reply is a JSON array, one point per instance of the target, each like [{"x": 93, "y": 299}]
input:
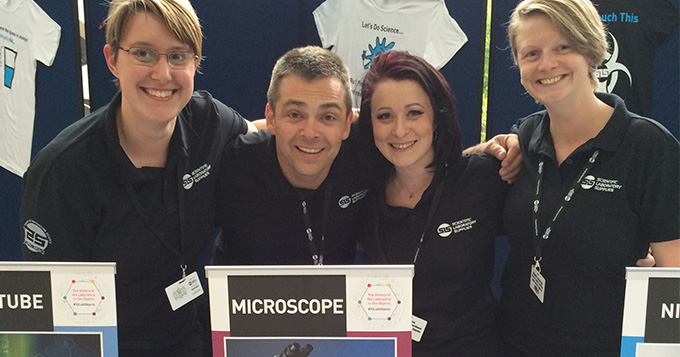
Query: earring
[
  {"x": 434, "y": 135},
  {"x": 592, "y": 68}
]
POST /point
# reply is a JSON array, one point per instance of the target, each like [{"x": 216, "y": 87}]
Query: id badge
[
  {"x": 184, "y": 290},
  {"x": 417, "y": 328},
  {"x": 537, "y": 282}
]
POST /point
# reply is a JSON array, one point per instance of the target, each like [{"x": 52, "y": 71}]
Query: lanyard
[
  {"x": 433, "y": 207},
  {"x": 317, "y": 254},
  {"x": 540, "y": 241},
  {"x": 430, "y": 214},
  {"x": 161, "y": 237}
]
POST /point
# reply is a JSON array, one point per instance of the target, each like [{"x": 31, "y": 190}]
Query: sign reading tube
[{"x": 21, "y": 301}]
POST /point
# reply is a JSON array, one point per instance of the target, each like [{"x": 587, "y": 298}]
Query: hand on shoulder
[{"x": 504, "y": 147}]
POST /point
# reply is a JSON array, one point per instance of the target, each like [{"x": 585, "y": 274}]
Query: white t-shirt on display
[
  {"x": 359, "y": 29},
  {"x": 27, "y": 35}
]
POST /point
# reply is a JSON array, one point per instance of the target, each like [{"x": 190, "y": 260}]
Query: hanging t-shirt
[
  {"x": 27, "y": 35},
  {"x": 635, "y": 29},
  {"x": 357, "y": 30}
]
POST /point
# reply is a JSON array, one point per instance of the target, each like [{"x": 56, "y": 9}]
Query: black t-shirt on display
[{"x": 635, "y": 29}]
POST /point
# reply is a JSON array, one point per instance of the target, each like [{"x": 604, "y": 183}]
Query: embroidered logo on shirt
[
  {"x": 445, "y": 229},
  {"x": 600, "y": 184},
  {"x": 345, "y": 201},
  {"x": 188, "y": 180},
  {"x": 36, "y": 238}
]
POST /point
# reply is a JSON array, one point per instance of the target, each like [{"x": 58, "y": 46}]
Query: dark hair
[{"x": 399, "y": 65}]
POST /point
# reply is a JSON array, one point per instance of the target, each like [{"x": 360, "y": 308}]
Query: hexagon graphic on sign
[
  {"x": 379, "y": 302},
  {"x": 83, "y": 297}
]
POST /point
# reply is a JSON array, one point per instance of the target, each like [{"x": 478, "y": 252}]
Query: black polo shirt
[
  {"x": 261, "y": 212},
  {"x": 454, "y": 269},
  {"x": 84, "y": 201},
  {"x": 627, "y": 200}
]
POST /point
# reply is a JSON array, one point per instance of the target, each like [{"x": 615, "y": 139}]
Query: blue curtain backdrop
[{"x": 243, "y": 39}]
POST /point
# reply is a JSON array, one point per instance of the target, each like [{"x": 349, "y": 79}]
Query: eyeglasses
[{"x": 149, "y": 57}]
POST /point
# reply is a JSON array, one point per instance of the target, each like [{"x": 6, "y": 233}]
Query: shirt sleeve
[
  {"x": 660, "y": 199},
  {"x": 234, "y": 122},
  {"x": 211, "y": 118},
  {"x": 328, "y": 21},
  {"x": 47, "y": 34},
  {"x": 666, "y": 17},
  {"x": 57, "y": 217},
  {"x": 446, "y": 38}
]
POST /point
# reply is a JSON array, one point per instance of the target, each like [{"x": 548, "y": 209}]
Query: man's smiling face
[{"x": 310, "y": 122}]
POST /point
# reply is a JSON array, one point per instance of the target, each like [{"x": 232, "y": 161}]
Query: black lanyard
[
  {"x": 317, "y": 254},
  {"x": 161, "y": 237},
  {"x": 540, "y": 241},
  {"x": 433, "y": 207}
]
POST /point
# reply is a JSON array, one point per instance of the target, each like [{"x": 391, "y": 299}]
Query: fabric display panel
[{"x": 635, "y": 29}]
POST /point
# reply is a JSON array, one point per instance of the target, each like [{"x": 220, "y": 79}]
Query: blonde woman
[{"x": 598, "y": 186}]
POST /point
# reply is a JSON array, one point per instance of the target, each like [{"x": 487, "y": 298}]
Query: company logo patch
[
  {"x": 188, "y": 180},
  {"x": 600, "y": 184},
  {"x": 36, "y": 238},
  {"x": 345, "y": 201},
  {"x": 588, "y": 182},
  {"x": 445, "y": 229}
]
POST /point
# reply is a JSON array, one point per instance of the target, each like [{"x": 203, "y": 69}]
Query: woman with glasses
[{"x": 116, "y": 185}]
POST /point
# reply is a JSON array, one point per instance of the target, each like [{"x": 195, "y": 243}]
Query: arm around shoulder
[
  {"x": 504, "y": 147},
  {"x": 257, "y": 125}
]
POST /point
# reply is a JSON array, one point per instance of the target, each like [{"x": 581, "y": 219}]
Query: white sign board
[
  {"x": 65, "y": 309},
  {"x": 330, "y": 310},
  {"x": 651, "y": 314}
]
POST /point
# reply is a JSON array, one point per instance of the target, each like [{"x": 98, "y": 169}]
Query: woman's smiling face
[
  {"x": 551, "y": 70},
  {"x": 403, "y": 118},
  {"x": 152, "y": 92}
]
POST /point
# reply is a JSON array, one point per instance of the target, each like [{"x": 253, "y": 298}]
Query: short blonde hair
[
  {"x": 178, "y": 15},
  {"x": 577, "y": 20}
]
